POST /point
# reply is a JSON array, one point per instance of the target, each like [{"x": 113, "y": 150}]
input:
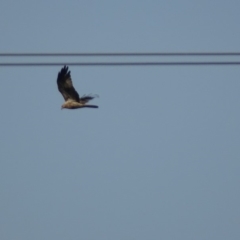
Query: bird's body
[
  {"x": 72, "y": 99},
  {"x": 70, "y": 104}
]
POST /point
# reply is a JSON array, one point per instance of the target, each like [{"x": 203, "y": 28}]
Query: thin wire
[
  {"x": 117, "y": 54},
  {"x": 101, "y": 64}
]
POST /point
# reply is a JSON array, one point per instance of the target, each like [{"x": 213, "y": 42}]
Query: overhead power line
[
  {"x": 101, "y": 64},
  {"x": 118, "y": 54},
  {"x": 223, "y": 58}
]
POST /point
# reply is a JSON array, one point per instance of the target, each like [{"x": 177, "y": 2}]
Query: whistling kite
[{"x": 72, "y": 99}]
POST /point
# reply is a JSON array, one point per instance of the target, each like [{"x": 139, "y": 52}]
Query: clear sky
[{"x": 160, "y": 157}]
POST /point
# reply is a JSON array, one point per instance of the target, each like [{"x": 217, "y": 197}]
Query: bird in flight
[{"x": 72, "y": 99}]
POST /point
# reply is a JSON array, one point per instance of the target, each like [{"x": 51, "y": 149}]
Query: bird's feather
[
  {"x": 65, "y": 85},
  {"x": 87, "y": 98}
]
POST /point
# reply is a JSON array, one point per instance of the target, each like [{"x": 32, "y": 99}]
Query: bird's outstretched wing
[{"x": 65, "y": 85}]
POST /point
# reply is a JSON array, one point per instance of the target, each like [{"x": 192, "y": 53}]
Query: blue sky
[{"x": 160, "y": 157}]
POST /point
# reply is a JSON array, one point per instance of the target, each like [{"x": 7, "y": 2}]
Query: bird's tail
[{"x": 87, "y": 98}]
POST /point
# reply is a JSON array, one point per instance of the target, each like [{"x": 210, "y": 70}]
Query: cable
[
  {"x": 101, "y": 64},
  {"x": 126, "y": 54},
  {"x": 123, "y": 63}
]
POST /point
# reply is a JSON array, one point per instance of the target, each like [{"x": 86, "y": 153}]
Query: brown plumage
[{"x": 72, "y": 99}]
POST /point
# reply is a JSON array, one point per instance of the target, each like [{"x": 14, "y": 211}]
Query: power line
[
  {"x": 101, "y": 64},
  {"x": 122, "y": 63},
  {"x": 118, "y": 54}
]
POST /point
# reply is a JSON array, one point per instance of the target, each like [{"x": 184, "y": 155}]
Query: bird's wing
[{"x": 65, "y": 85}]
